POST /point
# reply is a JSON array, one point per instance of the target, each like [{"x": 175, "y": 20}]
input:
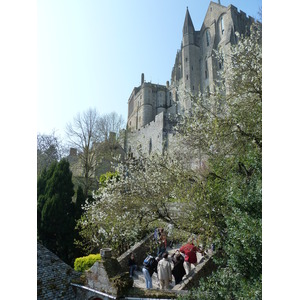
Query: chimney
[
  {"x": 73, "y": 151},
  {"x": 167, "y": 84},
  {"x": 142, "y": 78}
]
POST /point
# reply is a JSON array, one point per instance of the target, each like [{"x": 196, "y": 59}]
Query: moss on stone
[
  {"x": 81, "y": 280},
  {"x": 122, "y": 283},
  {"x": 112, "y": 267},
  {"x": 158, "y": 294}
]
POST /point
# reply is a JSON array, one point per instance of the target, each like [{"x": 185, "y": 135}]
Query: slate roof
[{"x": 53, "y": 276}]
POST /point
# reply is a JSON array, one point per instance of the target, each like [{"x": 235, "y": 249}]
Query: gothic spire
[{"x": 188, "y": 26}]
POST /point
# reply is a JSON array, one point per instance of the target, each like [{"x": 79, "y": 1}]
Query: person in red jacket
[{"x": 190, "y": 255}]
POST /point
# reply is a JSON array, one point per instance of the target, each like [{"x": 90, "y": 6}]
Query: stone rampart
[
  {"x": 140, "y": 251},
  {"x": 203, "y": 269}
]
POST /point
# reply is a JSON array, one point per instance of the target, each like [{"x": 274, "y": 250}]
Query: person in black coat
[
  {"x": 132, "y": 265},
  {"x": 178, "y": 271}
]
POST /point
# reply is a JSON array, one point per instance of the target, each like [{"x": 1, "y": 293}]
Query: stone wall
[
  {"x": 104, "y": 278},
  {"x": 140, "y": 251},
  {"x": 148, "y": 138},
  {"x": 203, "y": 269}
]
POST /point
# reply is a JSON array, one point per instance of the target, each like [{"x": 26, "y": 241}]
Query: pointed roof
[{"x": 188, "y": 26}]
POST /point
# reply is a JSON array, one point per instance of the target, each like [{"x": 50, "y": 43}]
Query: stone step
[
  {"x": 140, "y": 282},
  {"x": 139, "y": 279}
]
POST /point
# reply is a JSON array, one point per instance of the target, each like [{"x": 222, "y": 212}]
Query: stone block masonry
[{"x": 196, "y": 70}]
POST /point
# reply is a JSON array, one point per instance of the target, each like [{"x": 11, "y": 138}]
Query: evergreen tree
[
  {"x": 80, "y": 200},
  {"x": 56, "y": 211}
]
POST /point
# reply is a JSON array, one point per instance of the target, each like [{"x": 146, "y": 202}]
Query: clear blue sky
[{"x": 91, "y": 53}]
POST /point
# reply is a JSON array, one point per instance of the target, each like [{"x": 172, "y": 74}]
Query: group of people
[
  {"x": 164, "y": 269},
  {"x": 178, "y": 265}
]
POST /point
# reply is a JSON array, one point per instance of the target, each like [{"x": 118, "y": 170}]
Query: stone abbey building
[{"x": 152, "y": 106}]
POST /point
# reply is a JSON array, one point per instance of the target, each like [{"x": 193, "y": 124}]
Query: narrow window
[
  {"x": 206, "y": 70},
  {"x": 150, "y": 146},
  {"x": 222, "y": 25},
  {"x": 186, "y": 59},
  {"x": 192, "y": 68},
  {"x": 207, "y": 37},
  {"x": 187, "y": 77}
]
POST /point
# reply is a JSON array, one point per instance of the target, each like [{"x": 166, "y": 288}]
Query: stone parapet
[
  {"x": 140, "y": 251},
  {"x": 202, "y": 269}
]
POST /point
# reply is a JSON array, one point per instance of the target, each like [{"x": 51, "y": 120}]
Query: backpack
[{"x": 148, "y": 261}]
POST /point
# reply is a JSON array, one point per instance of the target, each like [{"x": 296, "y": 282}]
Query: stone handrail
[
  {"x": 203, "y": 269},
  {"x": 140, "y": 251}
]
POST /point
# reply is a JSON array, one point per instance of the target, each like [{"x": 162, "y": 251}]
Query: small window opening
[
  {"x": 222, "y": 25},
  {"x": 207, "y": 38},
  {"x": 150, "y": 146}
]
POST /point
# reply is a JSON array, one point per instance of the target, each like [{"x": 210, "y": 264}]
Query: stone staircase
[{"x": 139, "y": 279}]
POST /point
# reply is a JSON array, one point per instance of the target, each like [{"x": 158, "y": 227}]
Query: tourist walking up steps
[
  {"x": 164, "y": 272},
  {"x": 190, "y": 255},
  {"x": 178, "y": 270},
  {"x": 132, "y": 265},
  {"x": 149, "y": 267},
  {"x": 162, "y": 242}
]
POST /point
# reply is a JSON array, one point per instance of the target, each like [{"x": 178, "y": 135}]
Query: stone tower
[
  {"x": 152, "y": 106},
  {"x": 190, "y": 60}
]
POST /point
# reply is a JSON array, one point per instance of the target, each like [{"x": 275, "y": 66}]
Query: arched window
[
  {"x": 207, "y": 33},
  {"x": 222, "y": 25}
]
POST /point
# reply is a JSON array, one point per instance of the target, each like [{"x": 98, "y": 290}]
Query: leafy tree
[
  {"x": 56, "y": 211},
  {"x": 125, "y": 206},
  {"x": 107, "y": 178},
  {"x": 229, "y": 135}
]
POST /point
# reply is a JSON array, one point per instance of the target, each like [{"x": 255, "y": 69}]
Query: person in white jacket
[{"x": 164, "y": 272}]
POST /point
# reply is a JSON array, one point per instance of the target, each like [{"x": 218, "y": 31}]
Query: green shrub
[{"x": 84, "y": 263}]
